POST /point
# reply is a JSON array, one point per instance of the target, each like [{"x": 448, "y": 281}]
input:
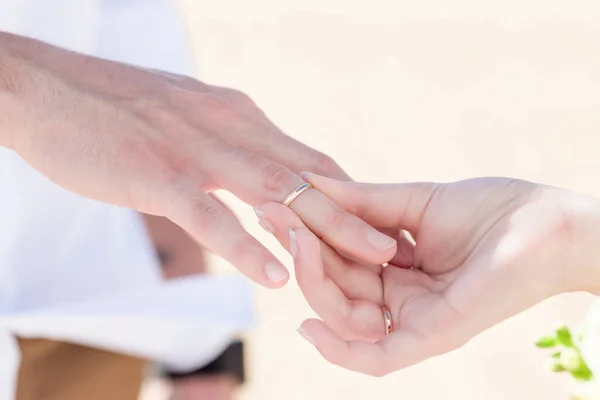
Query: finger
[
  {"x": 354, "y": 280},
  {"x": 375, "y": 269},
  {"x": 399, "y": 205},
  {"x": 217, "y": 229},
  {"x": 216, "y": 198},
  {"x": 342, "y": 230},
  {"x": 368, "y": 358},
  {"x": 256, "y": 180},
  {"x": 351, "y": 319},
  {"x": 425, "y": 325},
  {"x": 285, "y": 219},
  {"x": 405, "y": 255},
  {"x": 234, "y": 117},
  {"x": 396, "y": 351}
]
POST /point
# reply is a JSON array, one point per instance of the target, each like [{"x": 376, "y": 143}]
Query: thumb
[{"x": 381, "y": 205}]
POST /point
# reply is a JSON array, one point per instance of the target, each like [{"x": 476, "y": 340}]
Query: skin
[
  {"x": 160, "y": 143},
  {"x": 486, "y": 249}
]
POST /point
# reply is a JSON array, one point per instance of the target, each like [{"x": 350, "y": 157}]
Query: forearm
[
  {"x": 16, "y": 62},
  {"x": 28, "y": 68},
  {"x": 7, "y": 93}
]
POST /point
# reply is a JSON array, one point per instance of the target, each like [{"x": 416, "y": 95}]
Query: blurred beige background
[{"x": 414, "y": 90}]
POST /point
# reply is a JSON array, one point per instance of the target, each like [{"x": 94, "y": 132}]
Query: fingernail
[
  {"x": 276, "y": 272},
  {"x": 293, "y": 245},
  {"x": 406, "y": 249},
  {"x": 267, "y": 226},
  {"x": 263, "y": 222},
  {"x": 379, "y": 240},
  {"x": 306, "y": 336},
  {"x": 305, "y": 175}
]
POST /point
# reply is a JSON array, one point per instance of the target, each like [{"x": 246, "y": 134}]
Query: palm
[
  {"x": 462, "y": 216},
  {"x": 474, "y": 236}
]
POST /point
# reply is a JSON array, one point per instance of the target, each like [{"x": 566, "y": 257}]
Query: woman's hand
[{"x": 486, "y": 249}]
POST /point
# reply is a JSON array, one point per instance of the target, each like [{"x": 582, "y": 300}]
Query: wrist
[
  {"x": 9, "y": 84},
  {"x": 582, "y": 242}
]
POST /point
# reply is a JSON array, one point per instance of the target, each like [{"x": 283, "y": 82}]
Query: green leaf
[
  {"x": 564, "y": 337},
  {"x": 556, "y": 356},
  {"x": 582, "y": 373},
  {"x": 558, "y": 367},
  {"x": 547, "y": 342}
]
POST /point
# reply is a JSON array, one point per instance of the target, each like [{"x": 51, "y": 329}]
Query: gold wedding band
[
  {"x": 295, "y": 193},
  {"x": 387, "y": 320}
]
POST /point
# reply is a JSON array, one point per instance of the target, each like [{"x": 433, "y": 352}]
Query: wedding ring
[
  {"x": 295, "y": 193},
  {"x": 387, "y": 320}
]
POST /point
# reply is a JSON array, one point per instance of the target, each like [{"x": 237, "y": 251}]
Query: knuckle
[
  {"x": 338, "y": 218},
  {"x": 345, "y": 323},
  {"x": 274, "y": 177},
  {"x": 213, "y": 102},
  {"x": 155, "y": 110},
  {"x": 218, "y": 108},
  {"x": 362, "y": 210},
  {"x": 238, "y": 98},
  {"x": 206, "y": 215},
  {"x": 356, "y": 327},
  {"x": 252, "y": 161}
]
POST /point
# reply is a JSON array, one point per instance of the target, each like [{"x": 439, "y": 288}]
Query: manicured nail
[
  {"x": 306, "y": 336},
  {"x": 276, "y": 272},
  {"x": 406, "y": 250},
  {"x": 293, "y": 245},
  {"x": 267, "y": 226},
  {"x": 380, "y": 241},
  {"x": 305, "y": 175},
  {"x": 264, "y": 222}
]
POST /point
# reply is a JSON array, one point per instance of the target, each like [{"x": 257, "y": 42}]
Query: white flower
[
  {"x": 590, "y": 352},
  {"x": 569, "y": 358},
  {"x": 590, "y": 343}
]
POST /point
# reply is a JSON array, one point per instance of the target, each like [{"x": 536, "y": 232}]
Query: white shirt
[{"x": 83, "y": 271}]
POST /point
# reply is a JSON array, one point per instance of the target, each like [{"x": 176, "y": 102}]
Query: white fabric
[{"x": 82, "y": 271}]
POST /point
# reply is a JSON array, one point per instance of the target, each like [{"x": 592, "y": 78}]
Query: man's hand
[{"x": 159, "y": 143}]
